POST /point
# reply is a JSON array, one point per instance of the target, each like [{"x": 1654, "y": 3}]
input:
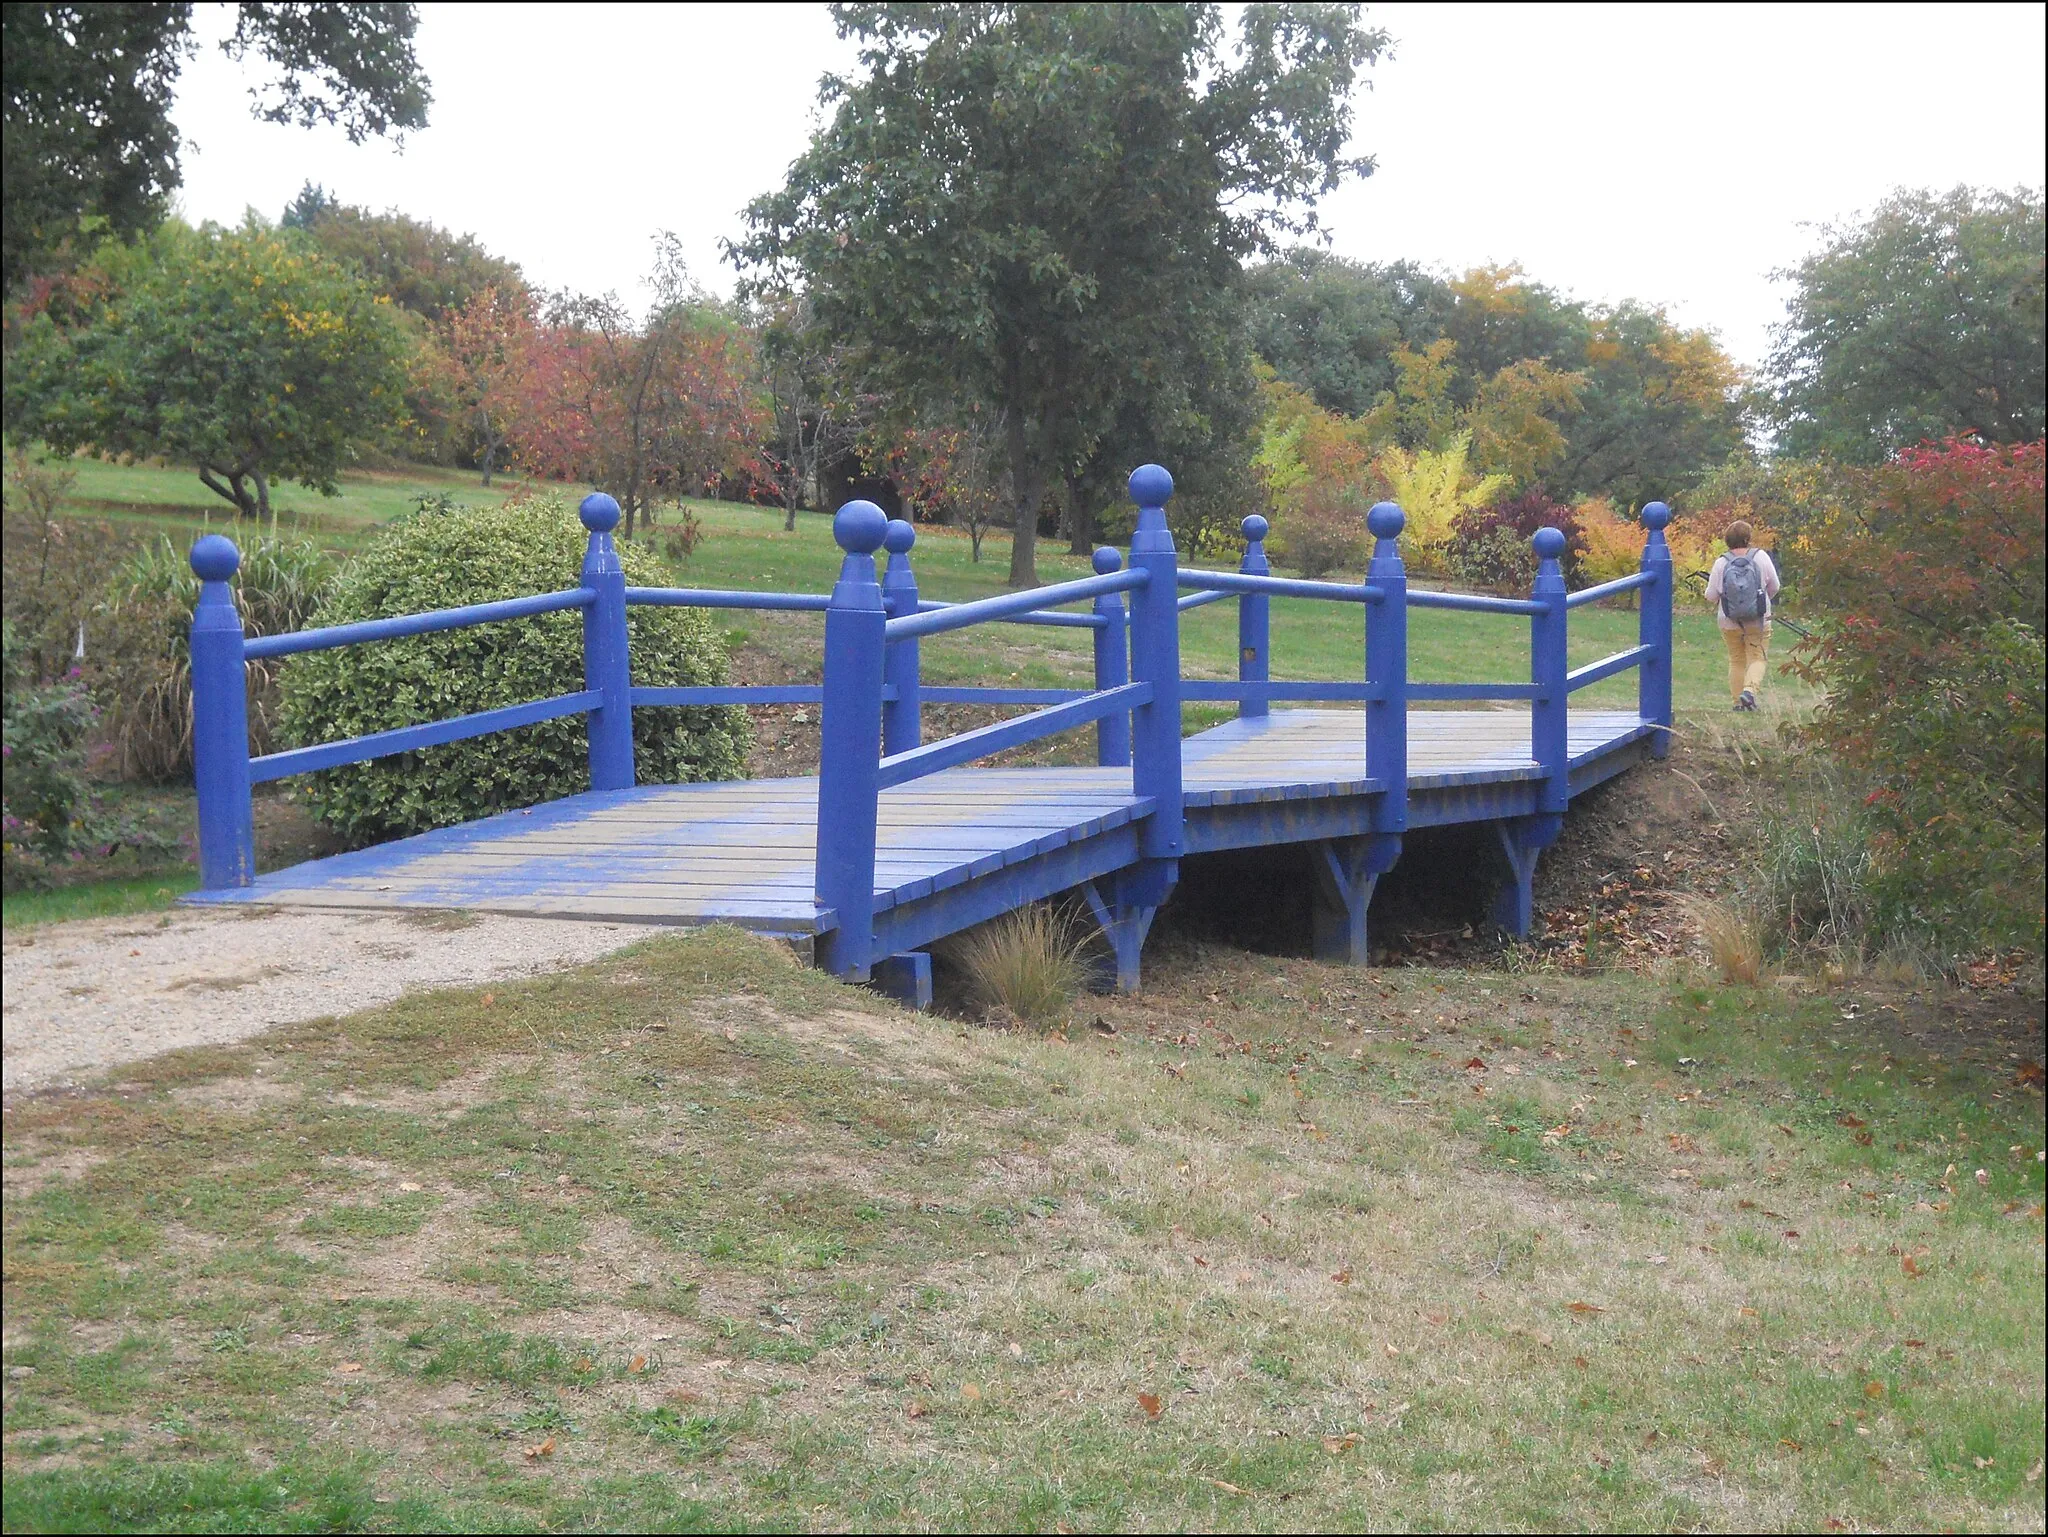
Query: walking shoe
[{"x": 1747, "y": 701}]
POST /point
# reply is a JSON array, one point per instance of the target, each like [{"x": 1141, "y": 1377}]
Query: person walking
[{"x": 1741, "y": 587}]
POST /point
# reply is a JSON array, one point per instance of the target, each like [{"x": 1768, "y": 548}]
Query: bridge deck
[{"x": 743, "y": 851}]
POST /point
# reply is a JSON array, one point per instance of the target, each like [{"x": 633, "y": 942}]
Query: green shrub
[
  {"x": 45, "y": 800},
  {"x": 141, "y": 665},
  {"x": 481, "y": 555}
]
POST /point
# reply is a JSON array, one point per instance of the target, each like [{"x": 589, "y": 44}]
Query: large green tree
[
  {"x": 1028, "y": 205},
  {"x": 89, "y": 146},
  {"x": 424, "y": 269},
  {"x": 1922, "y": 321},
  {"x": 1331, "y": 325},
  {"x": 243, "y": 352}
]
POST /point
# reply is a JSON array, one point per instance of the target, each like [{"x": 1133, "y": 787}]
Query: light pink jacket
[{"x": 1766, "y": 573}]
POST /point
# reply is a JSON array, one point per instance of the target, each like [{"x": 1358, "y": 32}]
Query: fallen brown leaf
[
  {"x": 637, "y": 1364},
  {"x": 971, "y": 1391},
  {"x": 1910, "y": 1265},
  {"x": 916, "y": 1410},
  {"x": 1873, "y": 1390},
  {"x": 1342, "y": 1443},
  {"x": 1149, "y": 1402},
  {"x": 1584, "y": 1307},
  {"x": 1227, "y": 1488},
  {"x": 1343, "y": 1277},
  {"x": 350, "y": 1366},
  {"x": 544, "y": 1449}
]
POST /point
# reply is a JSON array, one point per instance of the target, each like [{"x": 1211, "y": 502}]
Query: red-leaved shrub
[{"x": 1931, "y": 575}]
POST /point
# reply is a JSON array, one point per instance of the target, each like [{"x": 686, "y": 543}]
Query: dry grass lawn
[{"x": 692, "y": 1239}]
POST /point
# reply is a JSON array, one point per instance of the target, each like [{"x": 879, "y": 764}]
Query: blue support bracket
[
  {"x": 1347, "y": 870},
  {"x": 1523, "y": 840},
  {"x": 1135, "y": 897},
  {"x": 905, "y": 976}
]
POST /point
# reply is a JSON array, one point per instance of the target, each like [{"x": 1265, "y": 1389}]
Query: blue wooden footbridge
[{"x": 898, "y": 842}]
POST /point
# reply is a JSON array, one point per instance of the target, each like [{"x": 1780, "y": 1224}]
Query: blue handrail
[
  {"x": 1611, "y": 589},
  {"x": 1281, "y": 586},
  {"x": 1474, "y": 603},
  {"x": 331, "y": 636},
  {"x": 1007, "y": 605},
  {"x": 712, "y": 597},
  {"x": 434, "y": 733},
  {"x": 1003, "y": 735}
]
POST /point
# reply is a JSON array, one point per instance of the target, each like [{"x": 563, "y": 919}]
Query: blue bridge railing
[{"x": 872, "y": 694}]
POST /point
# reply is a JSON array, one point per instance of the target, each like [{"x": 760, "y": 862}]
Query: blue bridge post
[
  {"x": 1524, "y": 839},
  {"x": 1112, "y": 664},
  {"x": 220, "y": 722},
  {"x": 1136, "y": 893},
  {"x": 607, "y": 656},
  {"x": 1254, "y": 619},
  {"x": 849, "y": 764},
  {"x": 1654, "y": 632},
  {"x": 903, "y": 716},
  {"x": 1348, "y": 869}
]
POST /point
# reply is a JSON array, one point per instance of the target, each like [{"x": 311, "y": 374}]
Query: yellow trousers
[{"x": 1748, "y": 649}]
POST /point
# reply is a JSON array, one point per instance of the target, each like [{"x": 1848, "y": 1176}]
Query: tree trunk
[
  {"x": 1080, "y": 517},
  {"x": 1028, "y": 480},
  {"x": 490, "y": 452},
  {"x": 263, "y": 511},
  {"x": 232, "y": 490}
]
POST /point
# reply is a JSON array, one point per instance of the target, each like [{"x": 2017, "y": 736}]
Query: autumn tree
[
  {"x": 647, "y": 408},
  {"x": 488, "y": 348},
  {"x": 238, "y": 351},
  {"x": 1923, "y": 321},
  {"x": 89, "y": 147},
  {"x": 1019, "y": 204}
]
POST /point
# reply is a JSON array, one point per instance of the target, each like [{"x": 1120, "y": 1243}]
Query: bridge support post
[
  {"x": 1549, "y": 733},
  {"x": 903, "y": 716},
  {"x": 1135, "y": 897},
  {"x": 607, "y": 658},
  {"x": 1254, "y": 618},
  {"x": 220, "y": 721},
  {"x": 850, "y": 752},
  {"x": 1386, "y": 668},
  {"x": 1347, "y": 870},
  {"x": 1155, "y": 659},
  {"x": 1112, "y": 665},
  {"x": 1523, "y": 840},
  {"x": 907, "y": 977},
  {"x": 1653, "y": 678}
]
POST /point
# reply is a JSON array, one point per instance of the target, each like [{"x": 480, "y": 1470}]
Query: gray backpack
[{"x": 1742, "y": 589}]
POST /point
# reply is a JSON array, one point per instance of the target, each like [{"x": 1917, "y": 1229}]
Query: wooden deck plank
[{"x": 744, "y": 851}]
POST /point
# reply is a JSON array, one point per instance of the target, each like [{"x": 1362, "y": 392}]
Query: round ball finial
[
  {"x": 1386, "y": 520},
  {"x": 1549, "y": 543},
  {"x": 1255, "y": 528},
  {"x": 600, "y": 513},
  {"x": 1656, "y": 515},
  {"x": 1107, "y": 560},
  {"x": 1151, "y": 485},
  {"x": 860, "y": 528},
  {"x": 215, "y": 558},
  {"x": 899, "y": 536}
]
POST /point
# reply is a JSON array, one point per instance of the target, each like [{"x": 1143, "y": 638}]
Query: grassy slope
[{"x": 696, "y": 1239}]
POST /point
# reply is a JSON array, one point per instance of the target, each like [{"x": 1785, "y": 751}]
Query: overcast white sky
[{"x": 1675, "y": 154}]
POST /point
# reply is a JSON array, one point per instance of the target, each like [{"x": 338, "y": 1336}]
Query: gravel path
[{"x": 85, "y": 996}]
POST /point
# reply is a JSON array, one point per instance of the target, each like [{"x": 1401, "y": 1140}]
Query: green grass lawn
[
  {"x": 695, "y": 1239},
  {"x": 746, "y": 548}
]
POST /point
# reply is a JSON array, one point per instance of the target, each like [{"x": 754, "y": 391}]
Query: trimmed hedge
[{"x": 481, "y": 555}]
